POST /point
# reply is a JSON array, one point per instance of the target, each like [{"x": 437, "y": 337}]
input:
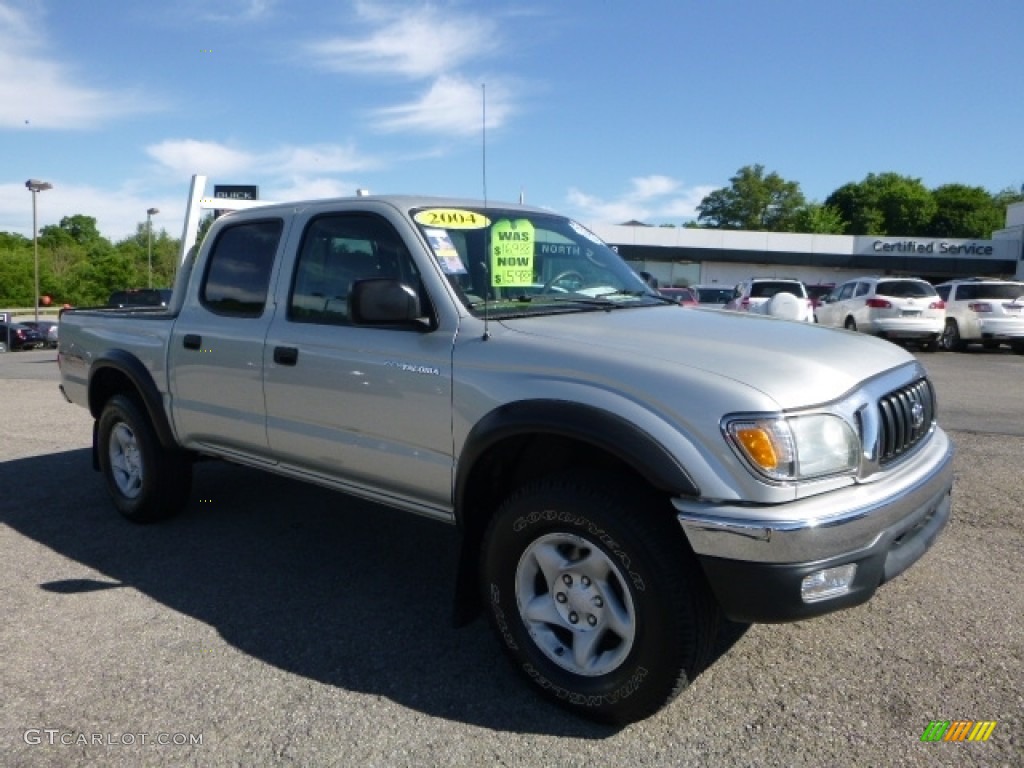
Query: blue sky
[{"x": 607, "y": 111}]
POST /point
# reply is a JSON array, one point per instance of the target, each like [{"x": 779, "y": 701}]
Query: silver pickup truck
[{"x": 622, "y": 471}]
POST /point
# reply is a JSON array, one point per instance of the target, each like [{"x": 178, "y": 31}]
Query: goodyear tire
[
  {"x": 146, "y": 481},
  {"x": 596, "y": 597}
]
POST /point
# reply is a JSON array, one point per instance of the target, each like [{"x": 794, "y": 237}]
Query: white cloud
[
  {"x": 317, "y": 159},
  {"x": 117, "y": 212},
  {"x": 653, "y": 186},
  {"x": 425, "y": 43},
  {"x": 222, "y": 11},
  {"x": 187, "y": 156},
  {"x": 245, "y": 10},
  {"x": 418, "y": 43},
  {"x": 286, "y": 172},
  {"x": 184, "y": 157},
  {"x": 306, "y": 188},
  {"x": 451, "y": 106},
  {"x": 651, "y": 199},
  {"x": 39, "y": 91}
]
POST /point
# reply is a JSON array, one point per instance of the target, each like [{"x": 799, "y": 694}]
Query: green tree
[
  {"x": 884, "y": 204},
  {"x": 753, "y": 201},
  {"x": 819, "y": 219},
  {"x": 165, "y": 256},
  {"x": 77, "y": 229},
  {"x": 16, "y": 270},
  {"x": 962, "y": 211}
]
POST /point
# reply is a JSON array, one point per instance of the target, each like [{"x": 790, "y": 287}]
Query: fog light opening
[{"x": 828, "y": 583}]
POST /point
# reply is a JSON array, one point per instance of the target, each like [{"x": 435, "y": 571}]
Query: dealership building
[{"x": 680, "y": 256}]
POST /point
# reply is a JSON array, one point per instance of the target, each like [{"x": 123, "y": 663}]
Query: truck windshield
[{"x": 516, "y": 262}]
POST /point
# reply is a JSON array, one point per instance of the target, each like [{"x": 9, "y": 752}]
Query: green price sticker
[{"x": 512, "y": 253}]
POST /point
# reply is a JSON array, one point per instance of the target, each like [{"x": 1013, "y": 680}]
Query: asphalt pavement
[{"x": 274, "y": 623}]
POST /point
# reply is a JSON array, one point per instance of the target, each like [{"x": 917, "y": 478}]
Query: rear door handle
[
  {"x": 192, "y": 341},
  {"x": 286, "y": 355}
]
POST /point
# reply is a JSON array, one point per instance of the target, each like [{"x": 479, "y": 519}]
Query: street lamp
[
  {"x": 150, "y": 213},
  {"x": 35, "y": 186}
]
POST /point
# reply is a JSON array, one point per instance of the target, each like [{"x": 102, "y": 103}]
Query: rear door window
[{"x": 237, "y": 276}]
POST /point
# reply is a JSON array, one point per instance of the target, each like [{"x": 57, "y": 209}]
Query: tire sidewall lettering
[
  {"x": 627, "y": 689},
  {"x": 547, "y": 516}
]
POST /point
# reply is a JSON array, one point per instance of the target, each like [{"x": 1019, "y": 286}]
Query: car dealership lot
[{"x": 277, "y": 623}]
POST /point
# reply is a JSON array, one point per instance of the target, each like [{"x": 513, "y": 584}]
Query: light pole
[
  {"x": 35, "y": 186},
  {"x": 150, "y": 213}
]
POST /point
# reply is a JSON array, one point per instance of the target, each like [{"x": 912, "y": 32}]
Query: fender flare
[
  {"x": 594, "y": 426},
  {"x": 143, "y": 384}
]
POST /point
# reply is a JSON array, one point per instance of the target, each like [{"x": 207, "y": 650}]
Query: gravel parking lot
[{"x": 279, "y": 624}]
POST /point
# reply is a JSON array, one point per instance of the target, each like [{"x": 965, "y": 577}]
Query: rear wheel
[
  {"x": 146, "y": 481},
  {"x": 850, "y": 324},
  {"x": 951, "y": 340},
  {"x": 596, "y": 597},
  {"x": 1017, "y": 347},
  {"x": 929, "y": 345}
]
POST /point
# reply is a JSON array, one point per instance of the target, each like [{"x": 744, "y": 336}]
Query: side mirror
[{"x": 384, "y": 301}]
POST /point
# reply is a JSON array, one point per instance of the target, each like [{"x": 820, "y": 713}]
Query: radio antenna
[
  {"x": 487, "y": 231},
  {"x": 483, "y": 135}
]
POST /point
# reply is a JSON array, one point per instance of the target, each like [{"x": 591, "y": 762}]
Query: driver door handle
[{"x": 286, "y": 355}]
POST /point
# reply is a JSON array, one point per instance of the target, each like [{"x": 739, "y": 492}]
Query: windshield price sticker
[
  {"x": 451, "y": 218},
  {"x": 445, "y": 251},
  {"x": 512, "y": 253}
]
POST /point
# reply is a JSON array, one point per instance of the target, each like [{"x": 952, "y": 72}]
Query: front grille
[{"x": 905, "y": 417}]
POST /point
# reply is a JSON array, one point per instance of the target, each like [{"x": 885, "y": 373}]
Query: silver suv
[
  {"x": 890, "y": 307},
  {"x": 783, "y": 297},
  {"x": 983, "y": 310}
]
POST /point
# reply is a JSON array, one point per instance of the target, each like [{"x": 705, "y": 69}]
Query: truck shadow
[{"x": 316, "y": 583}]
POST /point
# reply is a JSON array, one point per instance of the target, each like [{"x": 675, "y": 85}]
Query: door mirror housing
[{"x": 385, "y": 301}]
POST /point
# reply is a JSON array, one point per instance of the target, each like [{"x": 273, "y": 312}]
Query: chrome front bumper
[
  {"x": 820, "y": 526},
  {"x": 755, "y": 558}
]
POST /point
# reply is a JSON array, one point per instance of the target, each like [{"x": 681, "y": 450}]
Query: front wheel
[
  {"x": 596, "y": 597},
  {"x": 146, "y": 481}
]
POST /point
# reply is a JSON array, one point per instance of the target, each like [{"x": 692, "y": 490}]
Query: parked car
[
  {"x": 713, "y": 295},
  {"x": 17, "y": 336},
  {"x": 983, "y": 310},
  {"x": 684, "y": 296},
  {"x": 817, "y": 292},
  {"x": 777, "y": 296},
  {"x": 906, "y": 308},
  {"x": 48, "y": 329},
  {"x": 140, "y": 297}
]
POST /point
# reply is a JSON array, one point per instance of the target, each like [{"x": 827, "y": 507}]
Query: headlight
[{"x": 797, "y": 447}]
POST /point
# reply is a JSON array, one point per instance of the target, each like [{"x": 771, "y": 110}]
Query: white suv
[
  {"x": 783, "y": 297},
  {"x": 983, "y": 310},
  {"x": 891, "y": 307}
]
